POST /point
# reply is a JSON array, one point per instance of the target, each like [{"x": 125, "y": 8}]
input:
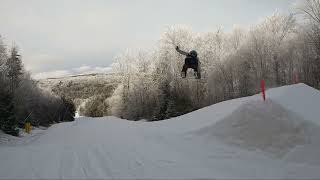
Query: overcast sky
[{"x": 61, "y": 37}]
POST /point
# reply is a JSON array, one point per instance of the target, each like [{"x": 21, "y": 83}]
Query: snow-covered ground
[{"x": 241, "y": 138}]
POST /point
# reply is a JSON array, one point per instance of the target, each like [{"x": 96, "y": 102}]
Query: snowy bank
[{"x": 243, "y": 138}]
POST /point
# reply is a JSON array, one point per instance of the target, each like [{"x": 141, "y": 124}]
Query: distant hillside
[{"x": 83, "y": 89}]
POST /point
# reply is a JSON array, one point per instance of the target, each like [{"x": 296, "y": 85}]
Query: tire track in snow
[{"x": 102, "y": 159}]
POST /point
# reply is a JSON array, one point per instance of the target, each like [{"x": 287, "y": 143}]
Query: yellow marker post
[{"x": 27, "y": 127}]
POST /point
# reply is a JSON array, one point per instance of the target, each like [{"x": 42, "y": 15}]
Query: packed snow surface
[
  {"x": 243, "y": 138},
  {"x": 266, "y": 126}
]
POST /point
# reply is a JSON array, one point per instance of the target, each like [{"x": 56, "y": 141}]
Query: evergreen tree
[{"x": 8, "y": 122}]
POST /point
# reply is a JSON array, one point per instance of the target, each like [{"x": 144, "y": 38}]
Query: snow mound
[
  {"x": 299, "y": 98},
  {"x": 24, "y": 138},
  {"x": 265, "y": 126},
  {"x": 6, "y": 138}
]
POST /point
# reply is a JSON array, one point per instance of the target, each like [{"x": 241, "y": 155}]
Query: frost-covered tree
[
  {"x": 22, "y": 100},
  {"x": 310, "y": 9},
  {"x": 8, "y": 123},
  {"x": 279, "y": 50},
  {"x": 41, "y": 107},
  {"x": 14, "y": 69}
]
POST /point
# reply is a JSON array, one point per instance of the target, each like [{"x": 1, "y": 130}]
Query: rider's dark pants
[{"x": 187, "y": 66}]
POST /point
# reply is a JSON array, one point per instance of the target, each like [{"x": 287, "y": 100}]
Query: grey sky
[{"x": 67, "y": 34}]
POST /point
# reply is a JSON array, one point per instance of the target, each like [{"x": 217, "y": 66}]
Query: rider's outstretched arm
[{"x": 182, "y": 52}]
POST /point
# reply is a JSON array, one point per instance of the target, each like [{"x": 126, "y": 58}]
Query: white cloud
[
  {"x": 99, "y": 70},
  {"x": 82, "y": 69},
  {"x": 51, "y": 74},
  {"x": 90, "y": 70},
  {"x": 75, "y": 71},
  {"x": 37, "y": 62}
]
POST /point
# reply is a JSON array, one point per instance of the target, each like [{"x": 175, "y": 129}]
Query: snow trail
[{"x": 187, "y": 147}]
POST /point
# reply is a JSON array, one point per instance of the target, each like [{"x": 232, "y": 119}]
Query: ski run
[{"x": 242, "y": 138}]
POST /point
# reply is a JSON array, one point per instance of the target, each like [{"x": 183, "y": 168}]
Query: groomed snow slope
[{"x": 241, "y": 138}]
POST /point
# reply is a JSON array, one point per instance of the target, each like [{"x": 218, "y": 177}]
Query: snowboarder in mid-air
[{"x": 191, "y": 61}]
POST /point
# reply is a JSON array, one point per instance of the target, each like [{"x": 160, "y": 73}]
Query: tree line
[
  {"x": 283, "y": 49},
  {"x": 21, "y": 100}
]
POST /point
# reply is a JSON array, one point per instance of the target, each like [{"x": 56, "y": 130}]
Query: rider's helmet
[{"x": 193, "y": 53}]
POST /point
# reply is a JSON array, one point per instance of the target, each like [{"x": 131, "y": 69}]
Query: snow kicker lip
[{"x": 266, "y": 126}]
